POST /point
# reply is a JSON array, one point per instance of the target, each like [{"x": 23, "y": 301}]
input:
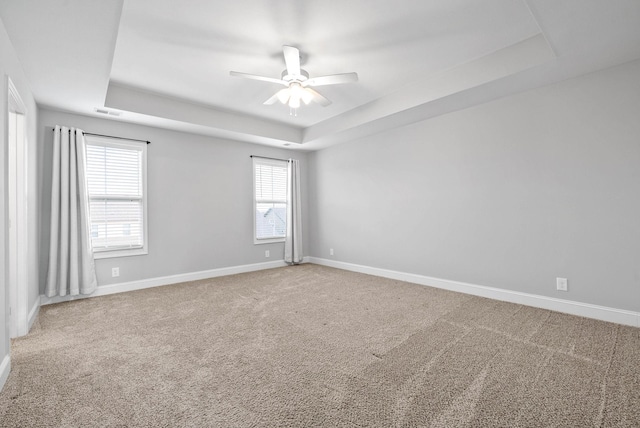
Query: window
[
  {"x": 116, "y": 181},
  {"x": 270, "y": 200}
]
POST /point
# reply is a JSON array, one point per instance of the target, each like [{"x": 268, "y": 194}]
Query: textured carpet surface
[{"x": 314, "y": 346}]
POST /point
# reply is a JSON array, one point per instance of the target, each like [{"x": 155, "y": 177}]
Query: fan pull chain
[{"x": 293, "y": 112}]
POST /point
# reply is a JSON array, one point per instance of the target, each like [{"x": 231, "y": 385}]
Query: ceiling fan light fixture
[
  {"x": 283, "y": 95},
  {"x": 296, "y": 89},
  {"x": 306, "y": 96},
  {"x": 294, "y": 102},
  {"x": 297, "y": 93}
]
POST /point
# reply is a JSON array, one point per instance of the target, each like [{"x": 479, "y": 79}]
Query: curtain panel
[
  {"x": 293, "y": 237},
  {"x": 71, "y": 264}
]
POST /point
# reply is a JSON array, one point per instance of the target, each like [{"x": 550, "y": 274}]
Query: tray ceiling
[{"x": 167, "y": 63}]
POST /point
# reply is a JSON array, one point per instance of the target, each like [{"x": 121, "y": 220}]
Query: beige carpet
[{"x": 313, "y": 346}]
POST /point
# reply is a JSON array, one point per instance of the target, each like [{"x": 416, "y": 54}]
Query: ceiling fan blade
[
  {"x": 333, "y": 79},
  {"x": 256, "y": 77},
  {"x": 317, "y": 97},
  {"x": 271, "y": 100},
  {"x": 292, "y": 59}
]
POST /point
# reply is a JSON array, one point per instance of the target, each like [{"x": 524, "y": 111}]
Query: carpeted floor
[{"x": 314, "y": 346}]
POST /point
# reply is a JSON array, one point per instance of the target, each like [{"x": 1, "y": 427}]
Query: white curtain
[
  {"x": 71, "y": 264},
  {"x": 293, "y": 238}
]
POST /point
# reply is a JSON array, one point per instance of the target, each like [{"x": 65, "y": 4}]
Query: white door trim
[{"x": 17, "y": 277}]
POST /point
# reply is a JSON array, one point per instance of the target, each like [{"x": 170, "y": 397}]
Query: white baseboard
[
  {"x": 166, "y": 280},
  {"x": 33, "y": 314},
  {"x": 5, "y": 369},
  {"x": 24, "y": 325},
  {"x": 603, "y": 313}
]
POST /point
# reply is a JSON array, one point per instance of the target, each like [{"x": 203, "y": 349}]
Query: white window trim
[
  {"x": 126, "y": 144},
  {"x": 257, "y": 241},
  {"x": 107, "y": 254}
]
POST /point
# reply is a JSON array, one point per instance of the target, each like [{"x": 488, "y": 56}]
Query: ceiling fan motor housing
[{"x": 304, "y": 75}]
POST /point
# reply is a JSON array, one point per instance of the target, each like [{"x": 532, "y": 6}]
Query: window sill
[
  {"x": 119, "y": 253},
  {"x": 267, "y": 241}
]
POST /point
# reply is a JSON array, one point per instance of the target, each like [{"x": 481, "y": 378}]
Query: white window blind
[
  {"x": 270, "y": 201},
  {"x": 116, "y": 186}
]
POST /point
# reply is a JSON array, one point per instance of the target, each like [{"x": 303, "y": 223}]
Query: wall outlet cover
[{"x": 562, "y": 284}]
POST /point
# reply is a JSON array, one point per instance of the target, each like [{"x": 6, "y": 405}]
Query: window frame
[
  {"x": 273, "y": 162},
  {"x": 141, "y": 146}
]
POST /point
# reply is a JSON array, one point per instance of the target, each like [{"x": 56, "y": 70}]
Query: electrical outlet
[
  {"x": 115, "y": 272},
  {"x": 562, "y": 284},
  {"x": 331, "y": 251},
  {"x": 266, "y": 253}
]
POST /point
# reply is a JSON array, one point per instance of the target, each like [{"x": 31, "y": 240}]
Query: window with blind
[
  {"x": 116, "y": 182},
  {"x": 270, "y": 200}
]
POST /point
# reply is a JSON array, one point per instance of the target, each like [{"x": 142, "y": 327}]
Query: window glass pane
[
  {"x": 271, "y": 182},
  {"x": 116, "y": 224},
  {"x": 115, "y": 184},
  {"x": 114, "y": 171},
  {"x": 270, "y": 198},
  {"x": 271, "y": 220}
]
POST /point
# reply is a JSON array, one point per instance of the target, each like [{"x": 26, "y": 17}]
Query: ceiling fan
[{"x": 298, "y": 84}]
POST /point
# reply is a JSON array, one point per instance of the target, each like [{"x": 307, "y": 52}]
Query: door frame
[{"x": 16, "y": 227}]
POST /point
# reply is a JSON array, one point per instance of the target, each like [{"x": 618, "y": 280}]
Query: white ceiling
[{"x": 166, "y": 63}]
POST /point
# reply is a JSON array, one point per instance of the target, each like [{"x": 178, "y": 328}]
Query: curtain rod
[
  {"x": 111, "y": 136},
  {"x": 119, "y": 138},
  {"x": 264, "y": 157}
]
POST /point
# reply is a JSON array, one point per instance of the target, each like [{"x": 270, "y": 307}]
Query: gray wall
[
  {"x": 10, "y": 66},
  {"x": 509, "y": 194},
  {"x": 199, "y": 200}
]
